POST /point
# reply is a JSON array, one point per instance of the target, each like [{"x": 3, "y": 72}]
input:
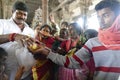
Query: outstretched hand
[
  {"x": 22, "y": 39},
  {"x": 44, "y": 51},
  {"x": 19, "y": 73},
  {"x": 51, "y": 18},
  {"x": 36, "y": 47}
]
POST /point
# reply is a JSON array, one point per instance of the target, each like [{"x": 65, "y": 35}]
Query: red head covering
[{"x": 111, "y": 36}]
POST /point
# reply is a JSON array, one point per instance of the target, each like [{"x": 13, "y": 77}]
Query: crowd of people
[{"x": 66, "y": 52}]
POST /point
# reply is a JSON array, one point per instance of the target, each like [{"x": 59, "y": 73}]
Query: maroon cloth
[
  {"x": 68, "y": 44},
  {"x": 48, "y": 66},
  {"x": 48, "y": 41},
  {"x": 65, "y": 45}
]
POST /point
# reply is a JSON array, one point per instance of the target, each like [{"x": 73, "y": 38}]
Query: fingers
[
  {"x": 26, "y": 41},
  {"x": 29, "y": 41},
  {"x": 21, "y": 70},
  {"x": 22, "y": 37},
  {"x": 22, "y": 42},
  {"x": 19, "y": 73}
]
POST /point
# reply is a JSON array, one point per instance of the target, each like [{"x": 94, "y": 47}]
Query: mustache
[{"x": 20, "y": 19}]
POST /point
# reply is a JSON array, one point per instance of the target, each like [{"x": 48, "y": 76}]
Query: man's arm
[
  {"x": 76, "y": 61},
  {"x": 4, "y": 38},
  {"x": 13, "y": 37}
]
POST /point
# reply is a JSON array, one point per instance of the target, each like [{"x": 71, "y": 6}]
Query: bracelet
[{"x": 12, "y": 36}]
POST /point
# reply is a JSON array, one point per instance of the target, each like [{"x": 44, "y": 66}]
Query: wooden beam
[
  {"x": 59, "y": 6},
  {"x": 44, "y": 11},
  {"x": 1, "y": 9}
]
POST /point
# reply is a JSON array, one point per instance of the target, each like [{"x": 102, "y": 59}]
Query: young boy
[{"x": 3, "y": 56}]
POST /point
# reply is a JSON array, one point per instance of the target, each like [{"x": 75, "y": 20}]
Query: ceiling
[
  {"x": 63, "y": 9},
  {"x": 67, "y": 10}
]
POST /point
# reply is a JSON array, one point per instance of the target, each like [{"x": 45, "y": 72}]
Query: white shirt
[{"x": 9, "y": 26}]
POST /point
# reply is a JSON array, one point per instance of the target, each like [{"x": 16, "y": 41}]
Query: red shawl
[{"x": 111, "y": 36}]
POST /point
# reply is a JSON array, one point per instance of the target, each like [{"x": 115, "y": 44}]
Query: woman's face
[
  {"x": 73, "y": 33},
  {"x": 64, "y": 34},
  {"x": 45, "y": 32}
]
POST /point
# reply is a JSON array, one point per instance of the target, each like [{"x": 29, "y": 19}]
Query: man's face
[
  {"x": 19, "y": 16},
  {"x": 106, "y": 17}
]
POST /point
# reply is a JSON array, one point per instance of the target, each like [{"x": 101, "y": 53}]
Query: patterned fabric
[
  {"x": 66, "y": 74},
  {"x": 43, "y": 70}
]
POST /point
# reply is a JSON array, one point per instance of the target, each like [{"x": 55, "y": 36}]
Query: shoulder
[
  {"x": 4, "y": 20},
  {"x": 93, "y": 42},
  {"x": 95, "y": 39},
  {"x": 28, "y": 27},
  {"x": 29, "y": 31}
]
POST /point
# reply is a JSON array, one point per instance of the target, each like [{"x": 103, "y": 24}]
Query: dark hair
[
  {"x": 64, "y": 30},
  {"x": 46, "y": 25},
  {"x": 114, "y": 5},
  {"x": 65, "y": 23},
  {"x": 20, "y": 6},
  {"x": 76, "y": 27},
  {"x": 3, "y": 52},
  {"x": 90, "y": 33}
]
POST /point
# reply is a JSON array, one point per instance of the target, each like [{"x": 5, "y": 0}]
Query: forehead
[
  {"x": 46, "y": 28},
  {"x": 63, "y": 31},
  {"x": 37, "y": 28},
  {"x": 104, "y": 11},
  {"x": 20, "y": 11}
]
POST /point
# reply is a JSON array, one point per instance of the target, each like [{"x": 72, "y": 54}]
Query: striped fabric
[{"x": 107, "y": 62}]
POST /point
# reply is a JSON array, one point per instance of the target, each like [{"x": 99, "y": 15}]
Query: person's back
[{"x": 90, "y": 33}]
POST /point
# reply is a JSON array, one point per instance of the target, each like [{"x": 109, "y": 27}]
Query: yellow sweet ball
[{"x": 34, "y": 46}]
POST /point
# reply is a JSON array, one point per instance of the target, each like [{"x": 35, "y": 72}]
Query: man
[
  {"x": 11, "y": 30},
  {"x": 16, "y": 24},
  {"x": 104, "y": 49}
]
